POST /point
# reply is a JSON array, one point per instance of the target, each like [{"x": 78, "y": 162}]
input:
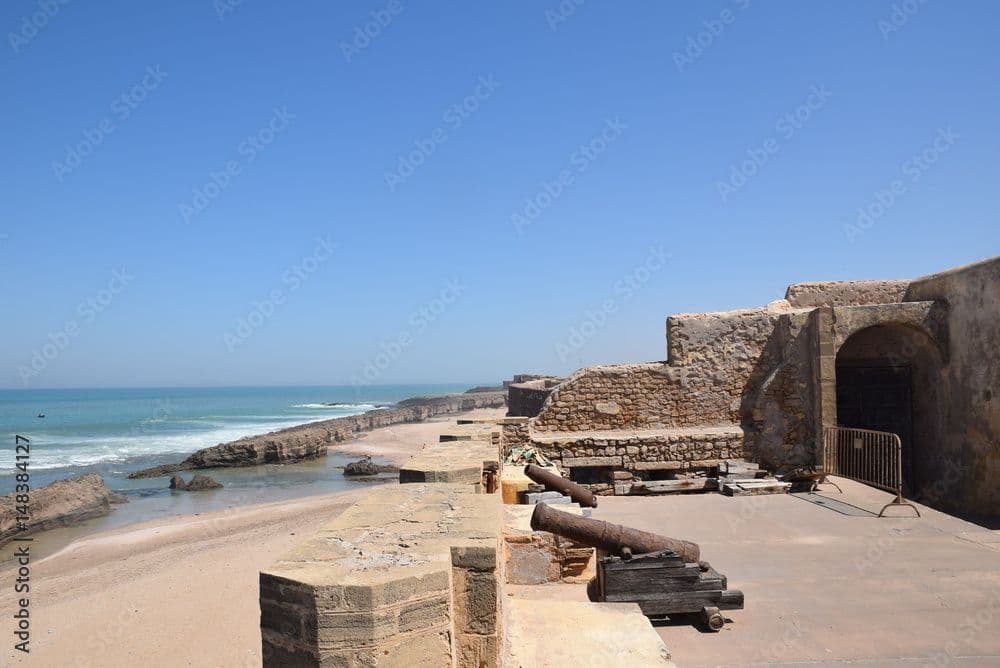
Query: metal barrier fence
[{"x": 872, "y": 457}]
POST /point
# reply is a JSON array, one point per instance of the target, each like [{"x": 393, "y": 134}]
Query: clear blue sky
[{"x": 117, "y": 114}]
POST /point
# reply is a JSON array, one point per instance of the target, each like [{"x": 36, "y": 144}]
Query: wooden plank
[
  {"x": 674, "y": 603},
  {"x": 672, "y": 486},
  {"x": 640, "y": 564}
]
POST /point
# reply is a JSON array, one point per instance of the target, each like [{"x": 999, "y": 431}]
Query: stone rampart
[
  {"x": 407, "y": 576},
  {"x": 845, "y": 293}
]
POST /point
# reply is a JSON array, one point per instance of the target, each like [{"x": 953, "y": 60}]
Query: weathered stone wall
[
  {"x": 514, "y": 433},
  {"x": 714, "y": 360},
  {"x": 970, "y": 387},
  {"x": 526, "y": 399},
  {"x": 778, "y": 414},
  {"x": 844, "y": 293},
  {"x": 771, "y": 372},
  {"x": 622, "y": 457}
]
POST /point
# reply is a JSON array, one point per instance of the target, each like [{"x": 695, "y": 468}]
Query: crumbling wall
[
  {"x": 778, "y": 417},
  {"x": 625, "y": 396},
  {"x": 714, "y": 361},
  {"x": 844, "y": 293},
  {"x": 970, "y": 387},
  {"x": 514, "y": 433},
  {"x": 526, "y": 399}
]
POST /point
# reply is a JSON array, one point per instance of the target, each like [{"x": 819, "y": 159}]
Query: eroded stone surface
[
  {"x": 454, "y": 461},
  {"x": 570, "y": 634},
  {"x": 376, "y": 584},
  {"x": 60, "y": 504}
]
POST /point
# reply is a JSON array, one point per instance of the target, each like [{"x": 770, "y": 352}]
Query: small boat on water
[{"x": 41, "y": 415}]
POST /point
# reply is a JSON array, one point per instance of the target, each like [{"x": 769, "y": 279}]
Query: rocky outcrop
[
  {"x": 310, "y": 441},
  {"x": 61, "y": 504},
  {"x": 199, "y": 483},
  {"x": 366, "y": 466}
]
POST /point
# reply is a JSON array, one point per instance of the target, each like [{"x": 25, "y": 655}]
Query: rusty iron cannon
[
  {"x": 554, "y": 482},
  {"x": 609, "y": 538},
  {"x": 664, "y": 576}
]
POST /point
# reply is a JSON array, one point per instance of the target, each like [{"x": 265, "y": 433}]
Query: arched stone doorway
[{"x": 888, "y": 379}]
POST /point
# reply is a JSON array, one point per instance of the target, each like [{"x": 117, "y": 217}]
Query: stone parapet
[
  {"x": 538, "y": 557},
  {"x": 453, "y": 461},
  {"x": 625, "y": 455},
  {"x": 407, "y": 576},
  {"x": 572, "y": 634}
]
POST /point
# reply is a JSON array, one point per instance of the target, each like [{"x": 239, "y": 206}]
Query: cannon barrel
[
  {"x": 611, "y": 538},
  {"x": 556, "y": 483}
]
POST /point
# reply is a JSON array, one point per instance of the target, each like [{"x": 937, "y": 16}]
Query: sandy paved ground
[
  {"x": 828, "y": 583},
  {"x": 181, "y": 591}
]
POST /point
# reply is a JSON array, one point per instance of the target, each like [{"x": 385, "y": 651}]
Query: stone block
[
  {"x": 474, "y": 602},
  {"x": 571, "y": 462},
  {"x": 375, "y": 586},
  {"x": 531, "y": 563},
  {"x": 607, "y": 408}
]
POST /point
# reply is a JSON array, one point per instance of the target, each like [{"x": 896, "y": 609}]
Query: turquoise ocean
[{"x": 113, "y": 432}]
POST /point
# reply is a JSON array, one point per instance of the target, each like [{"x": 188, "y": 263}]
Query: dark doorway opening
[{"x": 879, "y": 398}]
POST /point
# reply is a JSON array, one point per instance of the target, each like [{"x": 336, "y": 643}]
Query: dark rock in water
[
  {"x": 367, "y": 467},
  {"x": 198, "y": 483},
  {"x": 361, "y": 467},
  {"x": 201, "y": 482},
  {"x": 60, "y": 504}
]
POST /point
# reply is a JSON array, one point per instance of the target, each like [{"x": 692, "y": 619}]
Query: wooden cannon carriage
[{"x": 664, "y": 576}]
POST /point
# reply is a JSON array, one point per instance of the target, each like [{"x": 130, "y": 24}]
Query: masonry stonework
[{"x": 767, "y": 378}]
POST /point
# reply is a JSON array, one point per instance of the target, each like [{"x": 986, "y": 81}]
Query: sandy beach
[{"x": 181, "y": 590}]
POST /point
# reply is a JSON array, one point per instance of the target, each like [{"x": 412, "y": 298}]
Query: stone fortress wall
[{"x": 760, "y": 383}]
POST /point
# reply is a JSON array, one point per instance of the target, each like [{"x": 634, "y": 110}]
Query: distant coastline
[{"x": 310, "y": 441}]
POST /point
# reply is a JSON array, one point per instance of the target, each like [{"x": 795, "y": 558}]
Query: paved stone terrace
[{"x": 827, "y": 583}]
